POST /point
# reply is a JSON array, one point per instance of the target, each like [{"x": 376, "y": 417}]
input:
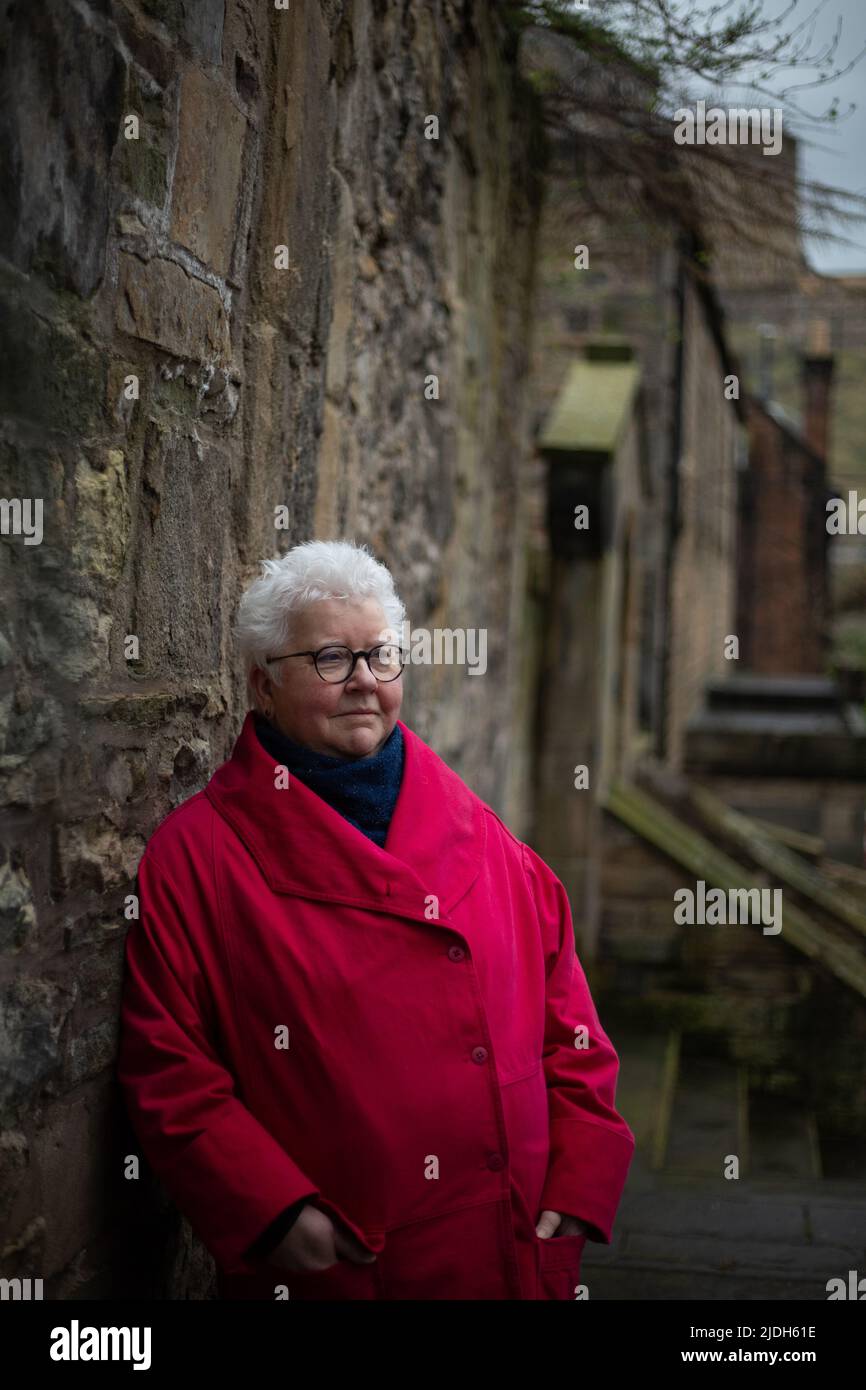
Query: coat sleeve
[
  {"x": 270, "y": 1239},
  {"x": 223, "y": 1169},
  {"x": 591, "y": 1146}
]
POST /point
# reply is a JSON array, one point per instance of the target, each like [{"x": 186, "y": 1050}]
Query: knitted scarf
[{"x": 363, "y": 790}]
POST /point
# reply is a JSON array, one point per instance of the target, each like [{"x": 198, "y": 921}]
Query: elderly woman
[{"x": 357, "y": 1046}]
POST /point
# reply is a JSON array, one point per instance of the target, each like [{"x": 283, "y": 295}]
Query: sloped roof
[{"x": 592, "y": 408}]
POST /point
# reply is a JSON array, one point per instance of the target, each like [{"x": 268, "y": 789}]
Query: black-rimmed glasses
[{"x": 336, "y": 663}]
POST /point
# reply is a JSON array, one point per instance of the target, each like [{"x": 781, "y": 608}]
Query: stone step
[
  {"x": 707, "y": 1121},
  {"x": 687, "y": 1113},
  {"x": 783, "y": 1139},
  {"x": 843, "y": 1158},
  {"x": 640, "y": 1084}
]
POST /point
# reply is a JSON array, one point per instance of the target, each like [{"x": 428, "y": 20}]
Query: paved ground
[{"x": 683, "y": 1238}]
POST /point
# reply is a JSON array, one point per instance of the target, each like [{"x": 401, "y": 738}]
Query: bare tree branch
[{"x": 609, "y": 80}]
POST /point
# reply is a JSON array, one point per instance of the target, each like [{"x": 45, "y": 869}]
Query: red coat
[{"x": 432, "y": 1095}]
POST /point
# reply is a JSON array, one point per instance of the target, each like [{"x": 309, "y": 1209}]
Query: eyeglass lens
[{"x": 334, "y": 663}]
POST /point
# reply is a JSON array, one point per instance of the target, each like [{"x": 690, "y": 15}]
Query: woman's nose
[{"x": 362, "y": 677}]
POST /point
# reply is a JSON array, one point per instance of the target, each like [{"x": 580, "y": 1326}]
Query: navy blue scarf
[{"x": 363, "y": 790}]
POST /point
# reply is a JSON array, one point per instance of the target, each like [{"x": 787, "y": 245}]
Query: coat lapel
[{"x": 304, "y": 847}]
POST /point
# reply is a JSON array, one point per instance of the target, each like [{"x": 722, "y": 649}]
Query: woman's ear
[{"x": 262, "y": 687}]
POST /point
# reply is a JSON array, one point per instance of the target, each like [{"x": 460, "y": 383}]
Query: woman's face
[{"x": 351, "y": 720}]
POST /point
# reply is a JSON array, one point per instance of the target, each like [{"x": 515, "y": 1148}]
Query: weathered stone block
[
  {"x": 178, "y": 562},
  {"x": 102, "y": 519},
  {"x": 49, "y": 374},
  {"x": 68, "y": 635},
  {"x": 122, "y": 407},
  {"x": 56, "y": 137},
  {"x": 14, "y": 1158},
  {"x": 151, "y": 709},
  {"x": 36, "y": 473},
  {"x": 32, "y": 737},
  {"x": 342, "y": 280},
  {"x": 296, "y": 206},
  {"x": 143, "y": 162},
  {"x": 207, "y": 177},
  {"x": 159, "y": 301},
  {"x": 197, "y": 392},
  {"x": 17, "y": 911},
  {"x": 144, "y": 170},
  {"x": 73, "y": 1141},
  {"x": 187, "y": 768},
  {"x": 32, "y": 1014},
  {"x": 92, "y": 1051},
  {"x": 118, "y": 779},
  {"x": 93, "y": 855},
  {"x": 94, "y": 931},
  {"x": 198, "y": 22}
]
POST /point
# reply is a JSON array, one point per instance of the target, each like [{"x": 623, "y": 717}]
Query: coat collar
[{"x": 304, "y": 847}]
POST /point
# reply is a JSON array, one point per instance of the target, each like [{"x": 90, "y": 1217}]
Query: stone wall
[
  {"x": 169, "y": 379},
  {"x": 703, "y": 568}
]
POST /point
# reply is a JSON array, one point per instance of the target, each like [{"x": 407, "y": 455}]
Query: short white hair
[{"x": 306, "y": 573}]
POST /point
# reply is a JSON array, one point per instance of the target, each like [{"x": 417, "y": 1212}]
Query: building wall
[
  {"x": 565, "y": 830},
  {"x": 703, "y": 577},
  {"x": 627, "y": 570},
  {"x": 257, "y": 386},
  {"x": 628, "y": 290},
  {"x": 783, "y": 618}
]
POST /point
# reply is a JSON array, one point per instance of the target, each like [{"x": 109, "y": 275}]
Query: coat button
[
  {"x": 479, "y": 1054},
  {"x": 456, "y": 953},
  {"x": 495, "y": 1162}
]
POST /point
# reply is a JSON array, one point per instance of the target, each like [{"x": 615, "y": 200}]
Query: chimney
[
  {"x": 817, "y": 376},
  {"x": 766, "y": 354}
]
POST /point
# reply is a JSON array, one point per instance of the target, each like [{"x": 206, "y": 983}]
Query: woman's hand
[
  {"x": 553, "y": 1223},
  {"x": 316, "y": 1242}
]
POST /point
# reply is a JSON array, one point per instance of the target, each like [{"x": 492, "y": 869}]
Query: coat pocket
[
  {"x": 559, "y": 1265},
  {"x": 346, "y": 1279},
  {"x": 374, "y": 1241}
]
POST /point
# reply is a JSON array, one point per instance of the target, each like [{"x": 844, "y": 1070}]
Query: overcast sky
[
  {"x": 836, "y": 154},
  {"x": 833, "y": 154}
]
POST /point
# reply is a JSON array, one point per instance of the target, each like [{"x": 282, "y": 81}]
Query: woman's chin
[{"x": 359, "y": 739}]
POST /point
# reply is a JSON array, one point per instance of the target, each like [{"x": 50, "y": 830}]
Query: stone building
[
  {"x": 783, "y": 609},
  {"x": 592, "y": 704},
  {"x": 775, "y": 304},
  {"x": 687, "y": 732},
  {"x": 639, "y": 415},
  {"x": 245, "y": 301}
]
